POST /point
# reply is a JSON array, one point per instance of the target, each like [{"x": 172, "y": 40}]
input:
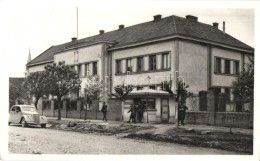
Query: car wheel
[
  {"x": 23, "y": 122},
  {"x": 43, "y": 125}
]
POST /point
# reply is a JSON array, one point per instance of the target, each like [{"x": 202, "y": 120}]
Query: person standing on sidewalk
[
  {"x": 181, "y": 113},
  {"x": 133, "y": 114},
  {"x": 104, "y": 111}
]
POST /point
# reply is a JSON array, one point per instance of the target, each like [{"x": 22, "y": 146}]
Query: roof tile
[{"x": 151, "y": 30}]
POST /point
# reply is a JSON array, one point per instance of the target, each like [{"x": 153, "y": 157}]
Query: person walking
[
  {"x": 133, "y": 114},
  {"x": 104, "y": 111},
  {"x": 181, "y": 113}
]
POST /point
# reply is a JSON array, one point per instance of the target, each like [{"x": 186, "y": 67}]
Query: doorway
[{"x": 165, "y": 109}]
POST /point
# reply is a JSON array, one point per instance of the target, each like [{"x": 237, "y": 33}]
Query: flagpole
[{"x": 77, "y": 24}]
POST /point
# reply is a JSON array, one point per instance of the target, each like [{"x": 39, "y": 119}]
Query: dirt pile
[
  {"x": 218, "y": 140},
  {"x": 106, "y": 128}
]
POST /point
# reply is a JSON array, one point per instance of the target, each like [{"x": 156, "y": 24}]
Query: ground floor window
[{"x": 148, "y": 103}]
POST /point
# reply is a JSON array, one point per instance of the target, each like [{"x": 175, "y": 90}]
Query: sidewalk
[{"x": 159, "y": 127}]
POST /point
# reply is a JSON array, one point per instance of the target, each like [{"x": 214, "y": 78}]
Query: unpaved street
[{"x": 46, "y": 141}]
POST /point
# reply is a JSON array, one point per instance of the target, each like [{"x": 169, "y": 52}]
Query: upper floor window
[
  {"x": 118, "y": 66},
  {"x": 79, "y": 70},
  {"x": 227, "y": 67},
  {"x": 235, "y": 67},
  {"x": 140, "y": 64},
  {"x": 129, "y": 65},
  {"x": 72, "y": 68},
  {"x": 94, "y": 68},
  {"x": 217, "y": 65},
  {"x": 152, "y": 60},
  {"x": 87, "y": 69},
  {"x": 166, "y": 61}
]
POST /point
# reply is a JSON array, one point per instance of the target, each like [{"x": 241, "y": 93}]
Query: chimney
[
  {"x": 215, "y": 24},
  {"x": 157, "y": 17},
  {"x": 120, "y": 27},
  {"x": 224, "y": 26},
  {"x": 192, "y": 18},
  {"x": 101, "y": 32},
  {"x": 73, "y": 39}
]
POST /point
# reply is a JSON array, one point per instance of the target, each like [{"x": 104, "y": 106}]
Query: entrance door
[{"x": 165, "y": 110}]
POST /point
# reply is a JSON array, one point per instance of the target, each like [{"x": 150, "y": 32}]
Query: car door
[
  {"x": 12, "y": 114},
  {"x": 17, "y": 114}
]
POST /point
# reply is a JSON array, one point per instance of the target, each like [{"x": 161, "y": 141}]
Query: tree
[
  {"x": 121, "y": 91},
  {"x": 62, "y": 80},
  {"x": 244, "y": 85},
  {"x": 16, "y": 90},
  {"x": 94, "y": 90},
  {"x": 181, "y": 92},
  {"x": 37, "y": 84}
]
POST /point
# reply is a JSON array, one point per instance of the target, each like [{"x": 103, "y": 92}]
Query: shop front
[{"x": 157, "y": 106}]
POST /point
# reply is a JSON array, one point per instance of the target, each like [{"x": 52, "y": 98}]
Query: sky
[{"x": 37, "y": 25}]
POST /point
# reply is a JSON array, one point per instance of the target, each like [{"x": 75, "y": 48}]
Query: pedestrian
[
  {"x": 140, "y": 111},
  {"x": 104, "y": 111},
  {"x": 181, "y": 113},
  {"x": 133, "y": 114}
]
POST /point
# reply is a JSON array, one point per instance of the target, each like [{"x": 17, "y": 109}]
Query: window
[
  {"x": 87, "y": 69},
  {"x": 140, "y": 64},
  {"x": 118, "y": 66},
  {"x": 235, "y": 67},
  {"x": 151, "y": 103},
  {"x": 79, "y": 70},
  {"x": 218, "y": 65},
  {"x": 94, "y": 68},
  {"x": 166, "y": 61},
  {"x": 129, "y": 65},
  {"x": 13, "y": 109},
  {"x": 72, "y": 68},
  {"x": 152, "y": 87},
  {"x": 227, "y": 67},
  {"x": 152, "y": 60},
  {"x": 139, "y": 88}
]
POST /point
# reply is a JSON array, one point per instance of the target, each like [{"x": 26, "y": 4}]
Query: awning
[{"x": 149, "y": 92}]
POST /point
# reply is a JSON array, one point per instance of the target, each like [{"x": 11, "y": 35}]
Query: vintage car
[{"x": 26, "y": 114}]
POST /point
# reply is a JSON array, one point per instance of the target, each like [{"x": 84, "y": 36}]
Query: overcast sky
[{"x": 37, "y": 25}]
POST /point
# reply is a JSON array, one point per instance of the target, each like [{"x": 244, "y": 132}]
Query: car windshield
[{"x": 28, "y": 108}]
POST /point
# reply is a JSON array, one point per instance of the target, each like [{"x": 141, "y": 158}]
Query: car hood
[{"x": 30, "y": 112}]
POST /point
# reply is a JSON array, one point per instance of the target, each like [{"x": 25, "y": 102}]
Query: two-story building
[{"x": 146, "y": 54}]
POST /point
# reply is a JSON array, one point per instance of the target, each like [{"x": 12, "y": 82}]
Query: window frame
[
  {"x": 79, "y": 71},
  {"x": 87, "y": 71},
  {"x": 152, "y": 62},
  {"x": 167, "y": 56},
  {"x": 227, "y": 66},
  {"x": 217, "y": 65},
  {"x": 129, "y": 65},
  {"x": 226, "y": 71},
  {"x": 118, "y": 66},
  {"x": 140, "y": 60},
  {"x": 94, "y": 68}
]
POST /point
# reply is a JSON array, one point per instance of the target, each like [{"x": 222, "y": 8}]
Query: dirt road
[{"x": 34, "y": 140}]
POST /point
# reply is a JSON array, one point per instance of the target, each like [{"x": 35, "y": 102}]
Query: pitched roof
[{"x": 168, "y": 26}]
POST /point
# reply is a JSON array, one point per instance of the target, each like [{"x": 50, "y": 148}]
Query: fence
[
  {"x": 77, "y": 109},
  {"x": 217, "y": 109}
]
